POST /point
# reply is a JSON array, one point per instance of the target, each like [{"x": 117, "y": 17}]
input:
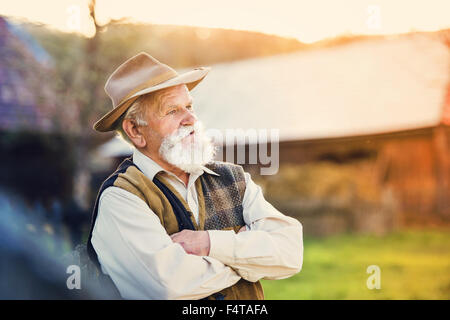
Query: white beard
[{"x": 188, "y": 156}]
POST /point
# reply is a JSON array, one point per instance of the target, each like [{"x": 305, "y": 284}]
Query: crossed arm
[
  {"x": 146, "y": 263},
  {"x": 195, "y": 242}
]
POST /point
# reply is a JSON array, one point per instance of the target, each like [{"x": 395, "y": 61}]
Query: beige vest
[{"x": 213, "y": 201}]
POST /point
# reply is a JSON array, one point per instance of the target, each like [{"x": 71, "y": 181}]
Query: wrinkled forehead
[{"x": 171, "y": 97}]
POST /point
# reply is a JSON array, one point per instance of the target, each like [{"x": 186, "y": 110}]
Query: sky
[{"x": 308, "y": 21}]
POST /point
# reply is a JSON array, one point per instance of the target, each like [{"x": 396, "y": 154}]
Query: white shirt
[{"x": 135, "y": 250}]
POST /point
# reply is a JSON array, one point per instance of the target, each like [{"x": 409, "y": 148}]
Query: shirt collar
[{"x": 150, "y": 168}]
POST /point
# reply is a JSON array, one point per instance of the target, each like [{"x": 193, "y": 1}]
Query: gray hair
[{"x": 136, "y": 112}]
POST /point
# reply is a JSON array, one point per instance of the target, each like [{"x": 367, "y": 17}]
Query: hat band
[{"x": 150, "y": 83}]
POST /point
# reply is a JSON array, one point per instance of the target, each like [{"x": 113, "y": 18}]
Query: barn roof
[{"x": 365, "y": 87}]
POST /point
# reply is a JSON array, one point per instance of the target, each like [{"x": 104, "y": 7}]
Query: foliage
[{"x": 84, "y": 64}]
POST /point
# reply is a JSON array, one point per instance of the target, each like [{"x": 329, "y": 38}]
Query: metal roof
[{"x": 364, "y": 87}]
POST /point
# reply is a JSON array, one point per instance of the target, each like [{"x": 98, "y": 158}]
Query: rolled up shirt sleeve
[
  {"x": 137, "y": 253},
  {"x": 272, "y": 248}
]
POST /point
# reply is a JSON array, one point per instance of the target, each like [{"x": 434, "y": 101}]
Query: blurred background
[{"x": 359, "y": 90}]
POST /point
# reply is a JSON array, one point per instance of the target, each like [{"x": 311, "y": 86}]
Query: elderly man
[{"x": 172, "y": 223}]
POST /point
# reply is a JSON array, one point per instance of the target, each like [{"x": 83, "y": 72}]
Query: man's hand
[{"x": 193, "y": 242}]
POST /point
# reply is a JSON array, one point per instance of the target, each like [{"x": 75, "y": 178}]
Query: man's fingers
[
  {"x": 179, "y": 240},
  {"x": 244, "y": 228},
  {"x": 193, "y": 242},
  {"x": 177, "y": 235}
]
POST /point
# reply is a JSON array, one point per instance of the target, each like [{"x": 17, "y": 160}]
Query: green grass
[{"x": 414, "y": 264}]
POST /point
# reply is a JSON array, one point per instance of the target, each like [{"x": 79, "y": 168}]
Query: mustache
[
  {"x": 181, "y": 133},
  {"x": 188, "y": 157}
]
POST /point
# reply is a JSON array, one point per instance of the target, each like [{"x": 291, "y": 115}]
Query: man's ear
[{"x": 134, "y": 133}]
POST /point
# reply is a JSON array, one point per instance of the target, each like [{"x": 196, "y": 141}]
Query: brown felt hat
[{"x": 137, "y": 76}]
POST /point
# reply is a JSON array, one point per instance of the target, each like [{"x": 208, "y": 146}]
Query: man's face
[
  {"x": 173, "y": 133},
  {"x": 172, "y": 110}
]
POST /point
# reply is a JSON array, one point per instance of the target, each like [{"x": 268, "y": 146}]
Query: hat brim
[{"x": 190, "y": 79}]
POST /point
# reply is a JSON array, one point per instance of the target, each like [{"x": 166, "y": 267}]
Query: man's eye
[{"x": 172, "y": 111}]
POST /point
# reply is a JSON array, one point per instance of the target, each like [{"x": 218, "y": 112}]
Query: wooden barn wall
[
  {"x": 418, "y": 169},
  {"x": 414, "y": 164}
]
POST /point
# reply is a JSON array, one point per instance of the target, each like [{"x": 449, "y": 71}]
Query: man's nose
[{"x": 189, "y": 118}]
